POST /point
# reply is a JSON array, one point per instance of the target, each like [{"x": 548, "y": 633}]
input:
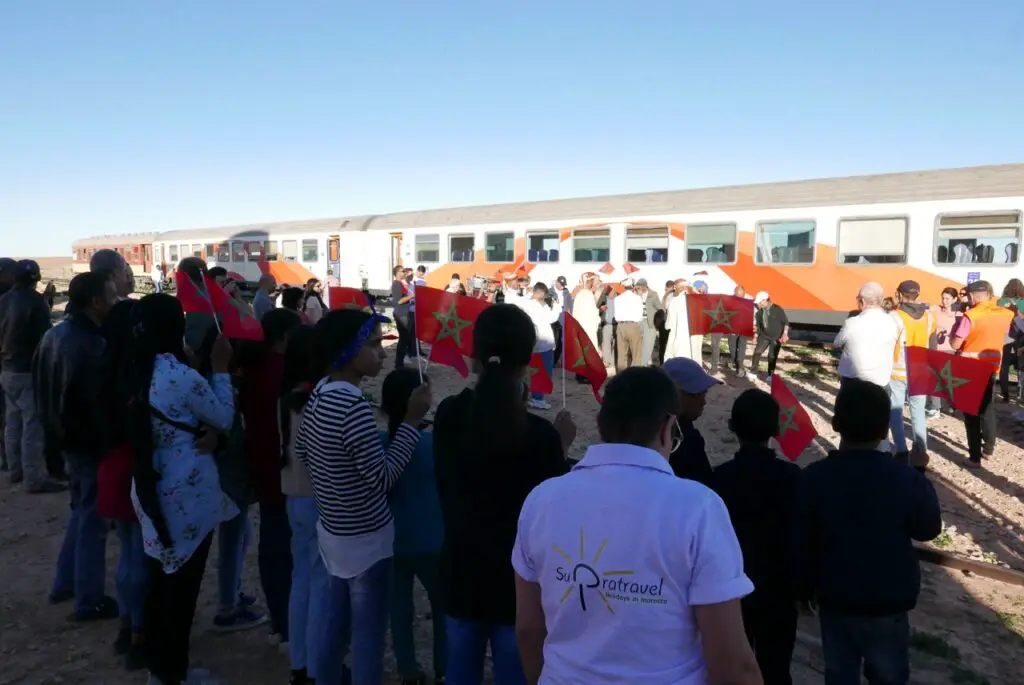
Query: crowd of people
[{"x": 638, "y": 563}]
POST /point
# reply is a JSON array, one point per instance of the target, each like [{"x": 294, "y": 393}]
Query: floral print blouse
[{"x": 188, "y": 489}]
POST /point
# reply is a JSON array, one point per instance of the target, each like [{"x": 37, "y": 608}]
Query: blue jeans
[
  {"x": 918, "y": 418},
  {"x": 81, "y": 565},
  {"x": 880, "y": 643},
  {"x": 362, "y": 602},
  {"x": 233, "y": 538},
  {"x": 467, "y": 646},
  {"x": 23, "y": 432},
  {"x": 549, "y": 363},
  {"x": 132, "y": 575},
  {"x": 309, "y": 585}
]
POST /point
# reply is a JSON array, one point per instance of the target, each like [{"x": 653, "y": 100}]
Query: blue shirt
[
  {"x": 419, "y": 528},
  {"x": 261, "y": 304}
]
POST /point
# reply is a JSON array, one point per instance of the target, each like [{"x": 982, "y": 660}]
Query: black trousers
[
  {"x": 770, "y": 624},
  {"x": 274, "y": 558},
  {"x": 169, "y": 612},
  {"x": 405, "y": 338},
  {"x": 981, "y": 429},
  {"x": 556, "y": 328},
  {"x": 773, "y": 348},
  {"x": 1009, "y": 360},
  {"x": 738, "y": 351}
]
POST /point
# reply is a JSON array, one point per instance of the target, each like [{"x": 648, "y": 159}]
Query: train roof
[
  {"x": 115, "y": 240},
  {"x": 257, "y": 231},
  {"x": 944, "y": 184},
  {"x": 1002, "y": 180}
]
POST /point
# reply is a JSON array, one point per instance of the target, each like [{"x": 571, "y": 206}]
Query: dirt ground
[{"x": 967, "y": 630}]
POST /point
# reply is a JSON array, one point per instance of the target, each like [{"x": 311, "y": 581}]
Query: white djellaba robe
[
  {"x": 584, "y": 310},
  {"x": 677, "y": 323}
]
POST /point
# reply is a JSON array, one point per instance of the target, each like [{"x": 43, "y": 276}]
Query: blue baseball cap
[{"x": 689, "y": 376}]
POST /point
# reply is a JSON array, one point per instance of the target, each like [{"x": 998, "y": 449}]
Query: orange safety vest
[
  {"x": 913, "y": 333},
  {"x": 989, "y": 325}
]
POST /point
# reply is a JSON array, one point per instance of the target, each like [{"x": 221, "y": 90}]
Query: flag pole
[
  {"x": 209, "y": 301},
  {"x": 564, "y": 352},
  {"x": 416, "y": 338}
]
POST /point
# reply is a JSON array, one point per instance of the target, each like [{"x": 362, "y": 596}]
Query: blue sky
[{"x": 123, "y": 116}]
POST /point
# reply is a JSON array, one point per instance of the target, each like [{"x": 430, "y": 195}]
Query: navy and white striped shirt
[{"x": 349, "y": 469}]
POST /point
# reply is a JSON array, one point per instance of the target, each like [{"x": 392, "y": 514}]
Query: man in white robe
[{"x": 677, "y": 323}]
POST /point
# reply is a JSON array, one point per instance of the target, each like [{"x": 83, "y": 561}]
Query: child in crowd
[
  {"x": 856, "y": 515},
  {"x": 758, "y": 488},
  {"x": 419, "y": 531},
  {"x": 351, "y": 474}
]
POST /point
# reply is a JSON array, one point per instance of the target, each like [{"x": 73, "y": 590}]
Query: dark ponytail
[
  {"x": 297, "y": 381},
  {"x": 503, "y": 340},
  {"x": 159, "y": 329}
]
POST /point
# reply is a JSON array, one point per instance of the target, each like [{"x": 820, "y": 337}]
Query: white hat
[{"x": 761, "y": 297}]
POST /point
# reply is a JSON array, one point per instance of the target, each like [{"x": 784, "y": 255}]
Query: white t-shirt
[
  {"x": 629, "y": 308},
  {"x": 542, "y": 316},
  {"x": 631, "y": 552},
  {"x": 868, "y": 341}
]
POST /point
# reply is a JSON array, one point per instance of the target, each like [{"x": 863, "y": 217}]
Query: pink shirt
[{"x": 944, "y": 321}]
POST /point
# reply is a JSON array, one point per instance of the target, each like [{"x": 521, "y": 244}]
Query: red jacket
[
  {"x": 261, "y": 384},
  {"x": 114, "y": 484}
]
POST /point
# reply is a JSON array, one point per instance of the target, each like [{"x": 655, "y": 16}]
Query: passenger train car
[{"x": 811, "y": 244}]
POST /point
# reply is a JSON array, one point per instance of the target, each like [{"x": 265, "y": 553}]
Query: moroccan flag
[
  {"x": 236, "y": 319},
  {"x": 960, "y": 380},
  {"x": 607, "y": 269},
  {"x": 581, "y": 356},
  {"x": 720, "y": 314},
  {"x": 445, "y": 352},
  {"x": 540, "y": 381},
  {"x": 347, "y": 298},
  {"x": 441, "y": 315},
  {"x": 796, "y": 431},
  {"x": 629, "y": 268}
]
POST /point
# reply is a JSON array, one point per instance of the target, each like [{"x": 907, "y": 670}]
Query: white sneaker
[{"x": 539, "y": 404}]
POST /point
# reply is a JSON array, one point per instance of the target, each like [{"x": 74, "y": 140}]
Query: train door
[
  {"x": 396, "y": 251},
  {"x": 333, "y": 261}
]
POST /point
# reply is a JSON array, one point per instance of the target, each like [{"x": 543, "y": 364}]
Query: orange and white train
[{"x": 811, "y": 244}]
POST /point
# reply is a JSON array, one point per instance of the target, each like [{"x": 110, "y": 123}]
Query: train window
[
  {"x": 310, "y": 250},
  {"x": 978, "y": 238},
  {"x": 238, "y": 252},
  {"x": 785, "y": 242},
  {"x": 197, "y": 250},
  {"x": 647, "y": 244},
  {"x": 461, "y": 248},
  {"x": 427, "y": 248},
  {"x": 223, "y": 253},
  {"x": 500, "y": 247},
  {"x": 172, "y": 254},
  {"x": 591, "y": 245},
  {"x": 289, "y": 250},
  {"x": 255, "y": 251},
  {"x": 270, "y": 250},
  {"x": 872, "y": 240},
  {"x": 711, "y": 243},
  {"x": 211, "y": 252},
  {"x": 542, "y": 247}
]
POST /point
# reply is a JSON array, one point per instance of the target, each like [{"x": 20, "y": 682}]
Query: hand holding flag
[
  {"x": 796, "y": 431},
  {"x": 960, "y": 380}
]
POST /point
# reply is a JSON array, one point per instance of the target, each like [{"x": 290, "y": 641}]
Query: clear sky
[{"x": 126, "y": 115}]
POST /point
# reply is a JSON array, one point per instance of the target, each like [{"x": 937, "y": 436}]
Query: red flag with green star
[
  {"x": 347, "y": 298},
  {"x": 236, "y": 319},
  {"x": 445, "y": 352},
  {"x": 441, "y": 315},
  {"x": 960, "y": 380},
  {"x": 540, "y": 381},
  {"x": 720, "y": 314},
  {"x": 580, "y": 356},
  {"x": 796, "y": 431}
]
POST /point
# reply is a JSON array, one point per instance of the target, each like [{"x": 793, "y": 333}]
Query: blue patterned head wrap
[{"x": 350, "y": 352}]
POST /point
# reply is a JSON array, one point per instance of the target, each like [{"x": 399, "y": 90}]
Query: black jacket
[
  {"x": 855, "y": 518},
  {"x": 758, "y": 489},
  {"x": 690, "y": 460},
  {"x": 771, "y": 322},
  {"x": 68, "y": 373},
  {"x": 24, "y": 320}
]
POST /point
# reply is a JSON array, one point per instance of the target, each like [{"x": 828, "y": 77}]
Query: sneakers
[
  {"x": 241, "y": 619},
  {"x": 104, "y": 611},
  {"x": 931, "y": 414},
  {"x": 48, "y": 487},
  {"x": 539, "y": 404}
]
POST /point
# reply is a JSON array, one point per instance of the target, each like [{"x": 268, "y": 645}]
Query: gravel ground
[{"x": 968, "y": 630}]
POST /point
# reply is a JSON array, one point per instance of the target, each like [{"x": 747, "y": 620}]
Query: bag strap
[{"x": 194, "y": 430}]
